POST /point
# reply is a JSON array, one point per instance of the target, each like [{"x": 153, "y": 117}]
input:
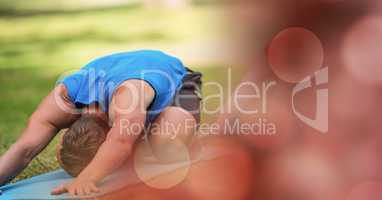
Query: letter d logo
[{"x": 321, "y": 121}]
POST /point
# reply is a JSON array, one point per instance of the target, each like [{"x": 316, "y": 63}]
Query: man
[{"x": 110, "y": 94}]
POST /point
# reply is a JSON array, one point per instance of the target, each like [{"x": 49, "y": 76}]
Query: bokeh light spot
[
  {"x": 295, "y": 53},
  {"x": 161, "y": 175},
  {"x": 361, "y": 50}
]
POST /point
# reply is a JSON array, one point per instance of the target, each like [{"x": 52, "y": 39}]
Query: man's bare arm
[
  {"x": 130, "y": 106},
  {"x": 51, "y": 115}
]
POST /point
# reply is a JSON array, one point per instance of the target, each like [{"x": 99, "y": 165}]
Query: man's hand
[{"x": 80, "y": 187}]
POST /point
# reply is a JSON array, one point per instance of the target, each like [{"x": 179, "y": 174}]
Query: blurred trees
[{"x": 166, "y": 3}]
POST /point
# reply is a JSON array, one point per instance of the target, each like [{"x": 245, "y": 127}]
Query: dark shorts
[{"x": 189, "y": 95}]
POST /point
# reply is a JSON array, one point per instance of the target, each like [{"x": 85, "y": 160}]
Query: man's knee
[
  {"x": 172, "y": 132},
  {"x": 173, "y": 123}
]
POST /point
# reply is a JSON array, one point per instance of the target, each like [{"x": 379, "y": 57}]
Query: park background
[{"x": 42, "y": 40}]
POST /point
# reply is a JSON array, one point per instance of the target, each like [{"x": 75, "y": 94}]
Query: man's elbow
[{"x": 123, "y": 143}]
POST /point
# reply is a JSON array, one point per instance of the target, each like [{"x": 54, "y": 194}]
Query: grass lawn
[{"x": 35, "y": 49}]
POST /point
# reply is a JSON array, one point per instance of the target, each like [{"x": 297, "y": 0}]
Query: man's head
[{"x": 80, "y": 143}]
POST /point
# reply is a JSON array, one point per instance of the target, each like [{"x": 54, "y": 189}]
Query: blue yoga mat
[{"x": 38, "y": 187}]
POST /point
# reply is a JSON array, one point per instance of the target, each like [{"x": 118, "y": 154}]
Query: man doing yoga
[{"x": 99, "y": 103}]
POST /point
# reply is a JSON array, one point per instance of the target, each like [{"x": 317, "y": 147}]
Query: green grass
[
  {"x": 68, "y": 39},
  {"x": 36, "y": 48}
]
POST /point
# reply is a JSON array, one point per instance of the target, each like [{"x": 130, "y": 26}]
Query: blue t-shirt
[{"x": 97, "y": 81}]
